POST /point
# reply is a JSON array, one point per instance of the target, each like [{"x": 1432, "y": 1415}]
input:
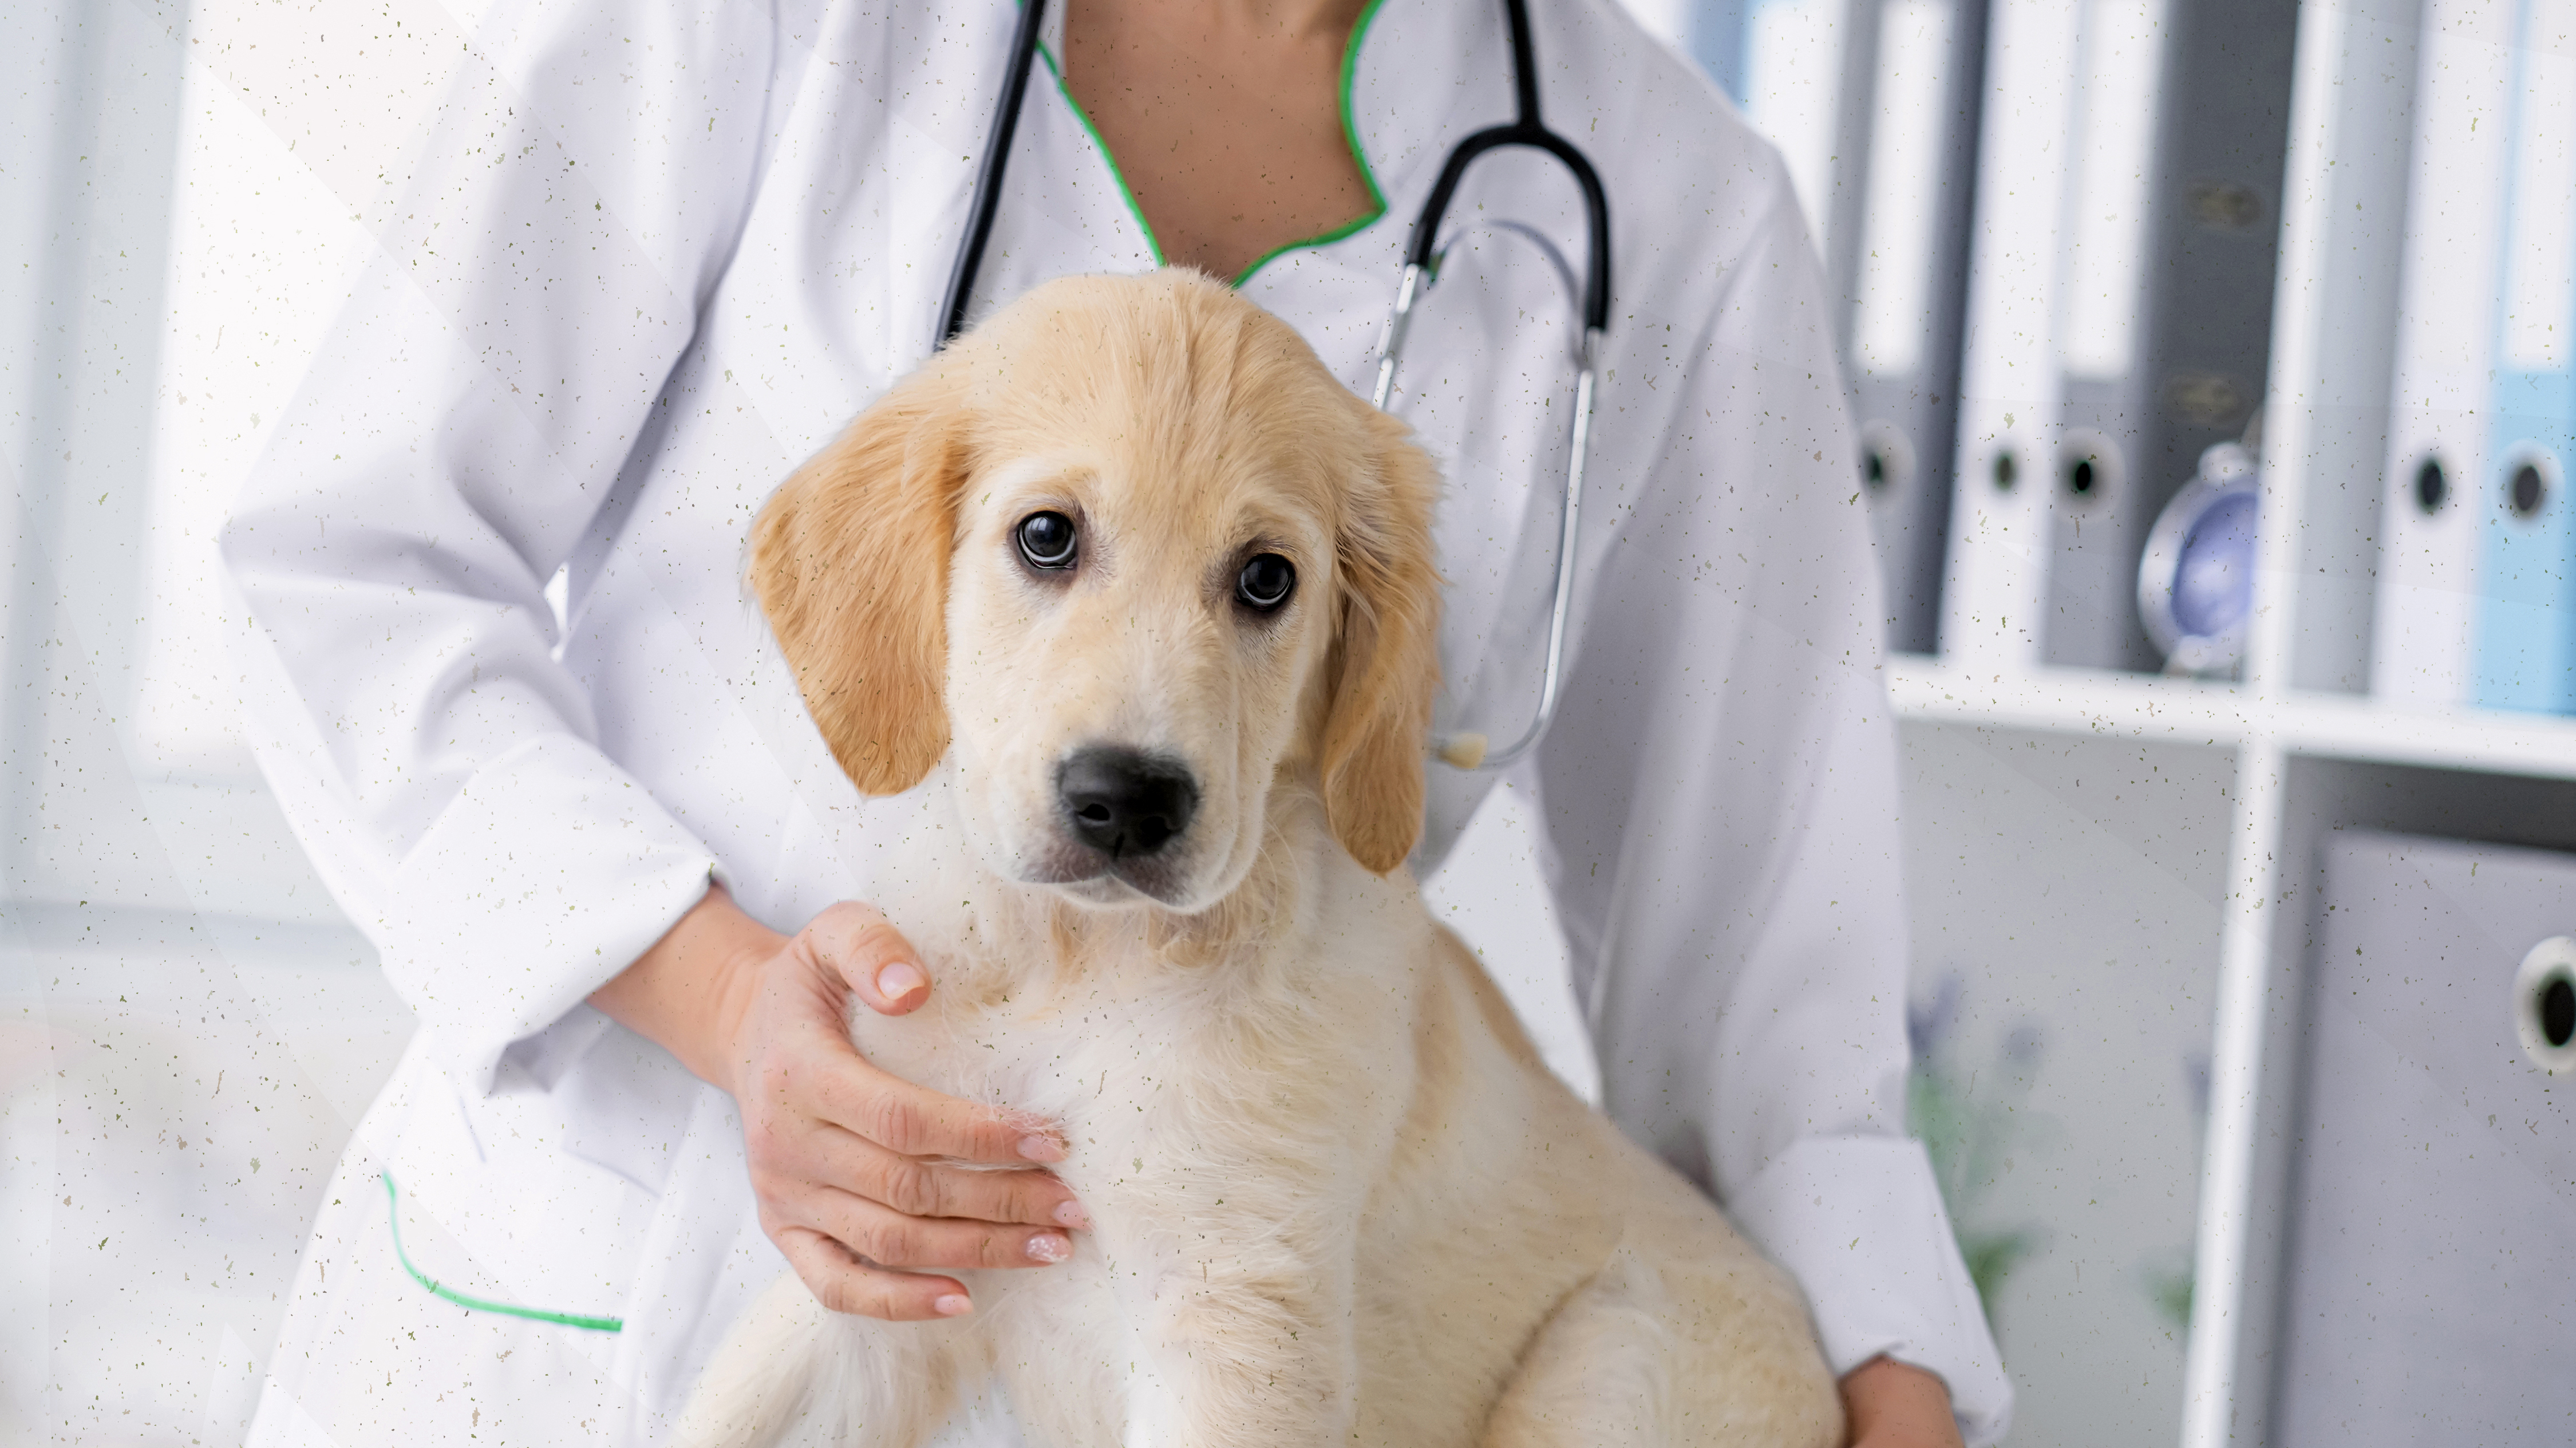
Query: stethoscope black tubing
[
  {"x": 988, "y": 176},
  {"x": 1596, "y": 206},
  {"x": 1525, "y": 130}
]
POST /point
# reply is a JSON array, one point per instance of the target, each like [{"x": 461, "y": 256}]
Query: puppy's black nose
[{"x": 1124, "y": 803}]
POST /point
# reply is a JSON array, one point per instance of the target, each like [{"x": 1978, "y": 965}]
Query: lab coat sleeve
[
  {"x": 461, "y": 429},
  {"x": 1720, "y": 792}
]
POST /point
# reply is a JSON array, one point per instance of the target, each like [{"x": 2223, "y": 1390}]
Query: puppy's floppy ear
[
  {"x": 1386, "y": 663},
  {"x": 850, "y": 559}
]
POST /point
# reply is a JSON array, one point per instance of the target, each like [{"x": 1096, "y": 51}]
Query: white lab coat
[{"x": 656, "y": 254}]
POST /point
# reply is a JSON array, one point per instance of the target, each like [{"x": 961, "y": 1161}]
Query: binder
[
  {"x": 2093, "y": 536},
  {"x": 2440, "y": 416},
  {"x": 2011, "y": 384},
  {"x": 2434, "y": 1177},
  {"x": 2164, "y": 327},
  {"x": 2526, "y": 625},
  {"x": 1911, "y": 127},
  {"x": 1874, "y": 106}
]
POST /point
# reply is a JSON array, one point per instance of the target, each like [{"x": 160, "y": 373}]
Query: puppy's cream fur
[{"x": 1339, "y": 1198}]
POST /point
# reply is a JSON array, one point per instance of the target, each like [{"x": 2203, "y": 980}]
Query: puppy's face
[
  {"x": 1130, "y": 559},
  {"x": 1138, "y": 618}
]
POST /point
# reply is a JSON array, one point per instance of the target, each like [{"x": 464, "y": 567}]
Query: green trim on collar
[
  {"x": 1152, "y": 244},
  {"x": 1350, "y": 133},
  {"x": 1359, "y": 153}
]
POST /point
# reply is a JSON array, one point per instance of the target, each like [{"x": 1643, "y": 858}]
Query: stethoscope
[{"x": 1465, "y": 750}]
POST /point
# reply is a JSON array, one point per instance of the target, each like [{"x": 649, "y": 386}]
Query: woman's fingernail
[
  {"x": 1049, "y": 1247},
  {"x": 901, "y": 979},
  {"x": 1071, "y": 1214},
  {"x": 952, "y": 1305},
  {"x": 1041, "y": 1148}
]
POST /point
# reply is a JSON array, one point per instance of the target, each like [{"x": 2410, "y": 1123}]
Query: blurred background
[{"x": 2210, "y": 366}]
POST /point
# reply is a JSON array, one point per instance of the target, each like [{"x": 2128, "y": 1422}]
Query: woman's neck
[{"x": 1224, "y": 117}]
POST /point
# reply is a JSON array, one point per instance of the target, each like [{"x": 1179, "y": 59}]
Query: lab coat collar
[{"x": 1424, "y": 74}]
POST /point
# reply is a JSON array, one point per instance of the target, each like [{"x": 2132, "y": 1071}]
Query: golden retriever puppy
[{"x": 1141, "y": 598}]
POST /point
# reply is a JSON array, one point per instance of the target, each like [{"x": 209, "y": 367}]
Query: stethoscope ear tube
[
  {"x": 988, "y": 176},
  {"x": 1526, "y": 129}
]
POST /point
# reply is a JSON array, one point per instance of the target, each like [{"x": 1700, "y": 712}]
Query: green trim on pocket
[{"x": 393, "y": 1219}]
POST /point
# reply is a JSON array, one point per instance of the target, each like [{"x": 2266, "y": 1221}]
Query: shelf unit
[{"x": 2313, "y": 752}]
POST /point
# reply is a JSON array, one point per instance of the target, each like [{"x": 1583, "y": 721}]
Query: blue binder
[{"x": 2526, "y": 627}]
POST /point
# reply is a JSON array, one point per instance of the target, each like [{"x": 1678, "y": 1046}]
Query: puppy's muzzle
[{"x": 1124, "y": 803}]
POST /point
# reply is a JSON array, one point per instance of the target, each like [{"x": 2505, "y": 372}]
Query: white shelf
[
  {"x": 2347, "y": 726},
  {"x": 2153, "y": 709},
  {"x": 2145, "y": 707}
]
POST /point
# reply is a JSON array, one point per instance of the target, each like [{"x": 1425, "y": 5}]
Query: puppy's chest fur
[
  {"x": 1262, "y": 1111},
  {"x": 1133, "y": 1030}
]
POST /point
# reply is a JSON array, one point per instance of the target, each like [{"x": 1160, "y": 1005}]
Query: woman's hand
[
  {"x": 843, "y": 1155},
  {"x": 1889, "y": 1404}
]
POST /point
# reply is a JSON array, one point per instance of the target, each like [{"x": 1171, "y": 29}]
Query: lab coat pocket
[{"x": 494, "y": 1203}]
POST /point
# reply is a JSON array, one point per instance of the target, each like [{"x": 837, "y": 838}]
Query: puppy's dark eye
[
  {"x": 1265, "y": 582},
  {"x": 1046, "y": 540}
]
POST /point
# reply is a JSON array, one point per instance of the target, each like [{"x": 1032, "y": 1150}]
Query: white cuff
[
  {"x": 549, "y": 873},
  {"x": 1859, "y": 1222}
]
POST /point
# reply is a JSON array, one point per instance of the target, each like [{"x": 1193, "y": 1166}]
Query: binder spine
[
  {"x": 2105, "y": 325},
  {"x": 2437, "y": 481},
  {"x": 2526, "y": 628},
  {"x": 2010, "y": 379},
  {"x": 1913, "y": 74}
]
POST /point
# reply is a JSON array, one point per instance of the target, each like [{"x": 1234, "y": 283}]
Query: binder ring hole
[
  {"x": 2006, "y": 470},
  {"x": 2527, "y": 491},
  {"x": 2431, "y": 488},
  {"x": 2544, "y": 1005},
  {"x": 1886, "y": 461},
  {"x": 2088, "y": 471}
]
